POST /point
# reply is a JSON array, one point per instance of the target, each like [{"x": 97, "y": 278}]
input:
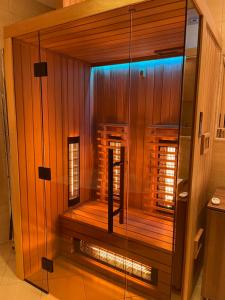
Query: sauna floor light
[
  {"x": 74, "y": 170},
  {"x": 119, "y": 262}
]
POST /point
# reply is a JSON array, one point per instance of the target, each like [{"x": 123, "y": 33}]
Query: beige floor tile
[
  {"x": 6, "y": 251},
  {"x": 9, "y": 276},
  {"x": 3, "y": 266},
  {"x": 7, "y": 293},
  {"x": 19, "y": 291}
]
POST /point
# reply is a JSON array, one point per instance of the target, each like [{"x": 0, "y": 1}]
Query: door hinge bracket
[
  {"x": 40, "y": 69},
  {"x": 44, "y": 173},
  {"x": 47, "y": 264}
]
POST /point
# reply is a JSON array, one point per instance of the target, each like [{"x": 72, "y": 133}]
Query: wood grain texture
[
  {"x": 142, "y": 227},
  {"x": 64, "y": 105},
  {"x": 106, "y": 37},
  {"x": 13, "y": 157},
  {"x": 204, "y": 10},
  {"x": 144, "y": 238},
  {"x": 213, "y": 286},
  {"x": 206, "y": 102},
  {"x": 218, "y": 165}
]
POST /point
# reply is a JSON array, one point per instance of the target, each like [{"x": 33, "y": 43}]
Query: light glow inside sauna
[
  {"x": 117, "y": 261},
  {"x": 141, "y": 64},
  {"x": 166, "y": 184},
  {"x": 110, "y": 136},
  {"x": 116, "y": 146},
  {"x": 74, "y": 169},
  {"x": 170, "y": 164}
]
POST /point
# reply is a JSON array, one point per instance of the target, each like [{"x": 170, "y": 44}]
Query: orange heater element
[
  {"x": 74, "y": 170},
  {"x": 110, "y": 136},
  {"x": 162, "y": 151},
  {"x": 119, "y": 262}
]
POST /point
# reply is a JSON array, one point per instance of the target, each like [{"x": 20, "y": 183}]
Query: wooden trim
[
  {"x": 13, "y": 156},
  {"x": 198, "y": 242},
  {"x": 204, "y": 10},
  {"x": 64, "y": 15}
]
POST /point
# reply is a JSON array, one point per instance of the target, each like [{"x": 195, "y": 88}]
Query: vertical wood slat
[
  {"x": 30, "y": 155},
  {"x": 21, "y": 156},
  {"x": 13, "y": 156},
  {"x": 59, "y": 130},
  {"x": 87, "y": 123},
  {"x": 65, "y": 112}
]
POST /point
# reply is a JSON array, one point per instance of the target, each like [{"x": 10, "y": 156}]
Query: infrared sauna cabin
[{"x": 103, "y": 118}]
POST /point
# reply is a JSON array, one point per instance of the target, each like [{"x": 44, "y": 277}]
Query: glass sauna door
[
  {"x": 86, "y": 123},
  {"x": 30, "y": 115},
  {"x": 156, "y": 72}
]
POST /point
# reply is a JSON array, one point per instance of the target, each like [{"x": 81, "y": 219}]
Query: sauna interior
[{"x": 98, "y": 106}]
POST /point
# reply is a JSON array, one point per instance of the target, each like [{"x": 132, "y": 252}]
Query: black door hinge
[
  {"x": 41, "y": 69},
  {"x": 47, "y": 264},
  {"x": 44, "y": 173}
]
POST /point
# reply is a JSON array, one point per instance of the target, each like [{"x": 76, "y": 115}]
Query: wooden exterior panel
[{"x": 210, "y": 60}]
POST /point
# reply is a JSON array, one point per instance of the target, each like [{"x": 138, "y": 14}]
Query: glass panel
[
  {"x": 190, "y": 74},
  {"x": 30, "y": 138},
  {"x": 156, "y": 72},
  {"x": 86, "y": 126}
]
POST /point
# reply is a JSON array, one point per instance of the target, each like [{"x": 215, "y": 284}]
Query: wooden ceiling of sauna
[{"x": 156, "y": 25}]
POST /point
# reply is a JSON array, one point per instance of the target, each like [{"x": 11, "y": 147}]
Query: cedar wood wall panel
[
  {"x": 154, "y": 100},
  {"x": 66, "y": 103}
]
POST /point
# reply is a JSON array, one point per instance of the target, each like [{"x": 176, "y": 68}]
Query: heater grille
[
  {"x": 164, "y": 191},
  {"x": 162, "y": 147},
  {"x": 74, "y": 170},
  {"x": 119, "y": 262},
  {"x": 114, "y": 137}
]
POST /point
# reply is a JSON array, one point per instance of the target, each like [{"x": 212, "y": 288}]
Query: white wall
[{"x": 10, "y": 12}]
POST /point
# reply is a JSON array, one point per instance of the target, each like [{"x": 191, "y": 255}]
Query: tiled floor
[{"x": 63, "y": 284}]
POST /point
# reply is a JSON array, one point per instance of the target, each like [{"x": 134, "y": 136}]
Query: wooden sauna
[{"x": 103, "y": 108}]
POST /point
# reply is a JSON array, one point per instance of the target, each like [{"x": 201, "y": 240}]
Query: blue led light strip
[{"x": 141, "y": 64}]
